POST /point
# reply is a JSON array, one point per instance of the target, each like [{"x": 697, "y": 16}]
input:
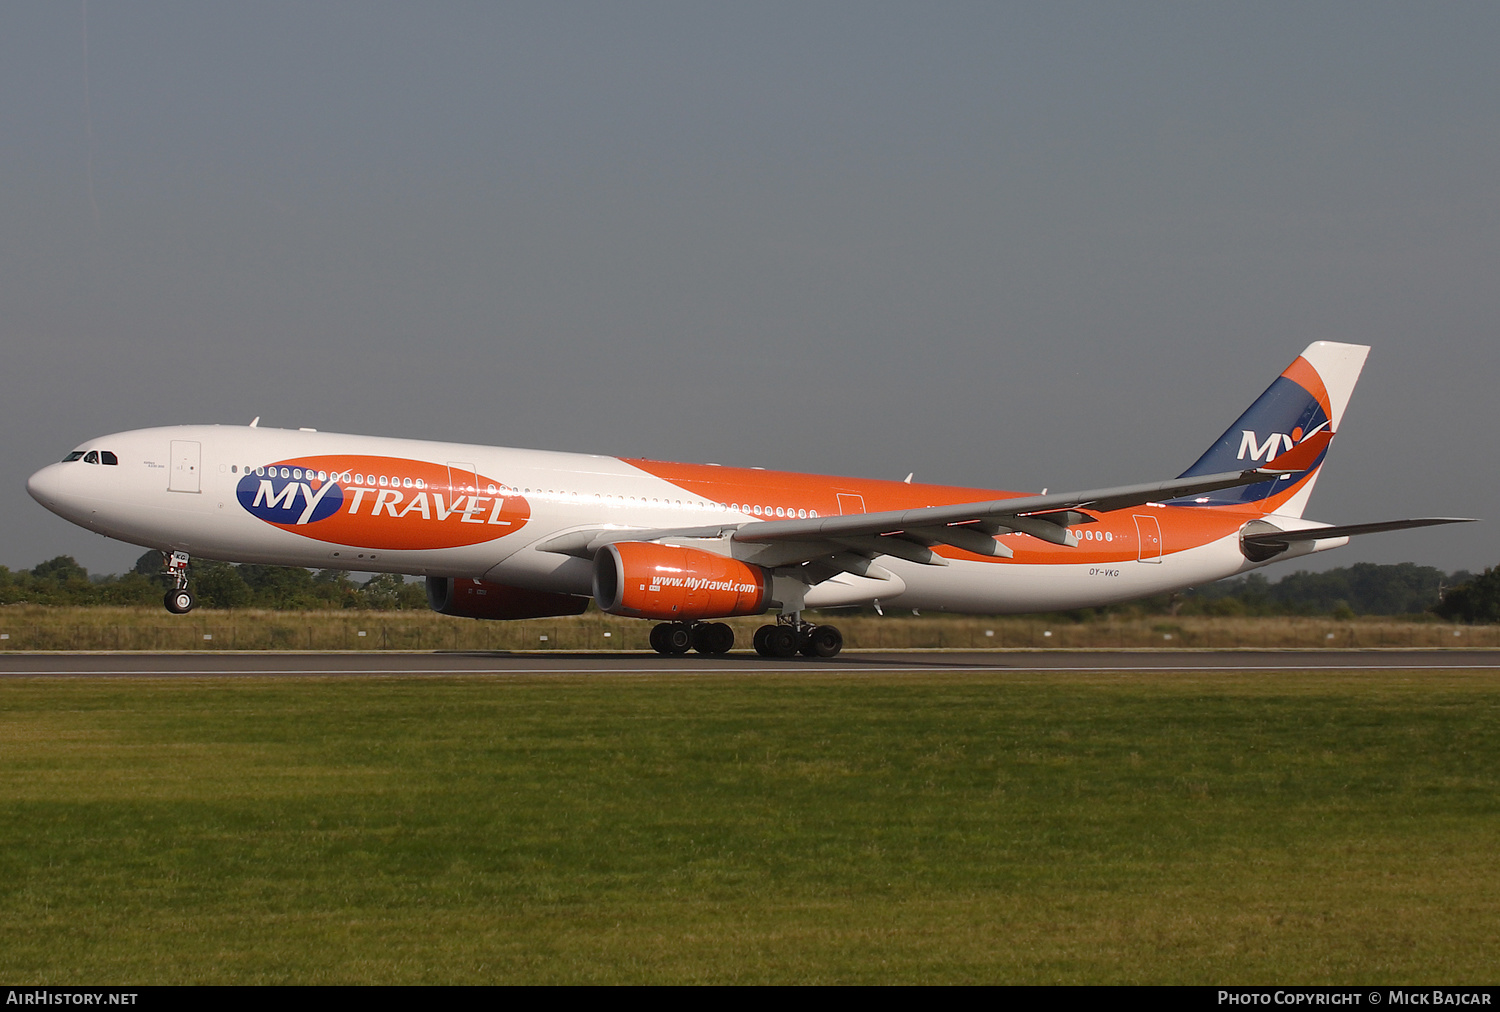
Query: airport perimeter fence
[{"x": 37, "y": 628}]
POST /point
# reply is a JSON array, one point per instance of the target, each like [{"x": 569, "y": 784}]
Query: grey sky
[{"x": 1008, "y": 246}]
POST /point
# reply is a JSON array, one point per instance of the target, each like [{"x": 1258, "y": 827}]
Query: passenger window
[
  {"x": 92, "y": 457},
  {"x": 107, "y": 457}
]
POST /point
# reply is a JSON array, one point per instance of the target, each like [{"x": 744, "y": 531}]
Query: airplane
[{"x": 513, "y": 533}]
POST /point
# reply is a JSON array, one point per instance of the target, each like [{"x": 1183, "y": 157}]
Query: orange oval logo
[{"x": 382, "y": 502}]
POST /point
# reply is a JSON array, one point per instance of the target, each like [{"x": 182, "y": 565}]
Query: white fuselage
[{"x": 457, "y": 510}]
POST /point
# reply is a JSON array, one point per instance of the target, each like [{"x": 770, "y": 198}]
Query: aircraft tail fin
[{"x": 1307, "y": 400}]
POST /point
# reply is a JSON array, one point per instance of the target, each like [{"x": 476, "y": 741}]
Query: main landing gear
[
  {"x": 680, "y": 637},
  {"x": 787, "y": 638},
  {"x": 791, "y": 636},
  {"x": 179, "y": 600}
]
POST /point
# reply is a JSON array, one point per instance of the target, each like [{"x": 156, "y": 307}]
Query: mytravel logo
[
  {"x": 381, "y": 502},
  {"x": 1276, "y": 443}
]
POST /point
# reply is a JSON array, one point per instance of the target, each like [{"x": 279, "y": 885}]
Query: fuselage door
[
  {"x": 462, "y": 479},
  {"x": 850, "y": 503},
  {"x": 186, "y": 466},
  {"x": 1148, "y": 530}
]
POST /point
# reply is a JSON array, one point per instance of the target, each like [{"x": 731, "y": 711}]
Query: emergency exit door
[
  {"x": 186, "y": 466},
  {"x": 1148, "y": 530}
]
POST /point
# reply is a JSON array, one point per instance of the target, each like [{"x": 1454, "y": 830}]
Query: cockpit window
[
  {"x": 92, "y": 457},
  {"x": 108, "y": 457},
  {"x": 75, "y": 455}
]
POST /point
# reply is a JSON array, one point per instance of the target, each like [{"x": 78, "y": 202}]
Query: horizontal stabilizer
[{"x": 1283, "y": 538}]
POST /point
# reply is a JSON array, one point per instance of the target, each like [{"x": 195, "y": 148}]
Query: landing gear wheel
[
  {"x": 675, "y": 638},
  {"x": 726, "y": 638},
  {"x": 823, "y": 641},
  {"x": 671, "y": 638},
  {"x": 713, "y": 638},
  {"x": 179, "y": 602},
  {"x": 776, "y": 641}
]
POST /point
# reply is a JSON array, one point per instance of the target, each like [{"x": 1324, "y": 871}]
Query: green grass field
[
  {"x": 43, "y": 627},
  {"x": 1034, "y": 828}
]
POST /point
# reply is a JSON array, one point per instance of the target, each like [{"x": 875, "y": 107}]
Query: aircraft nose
[{"x": 47, "y": 487}]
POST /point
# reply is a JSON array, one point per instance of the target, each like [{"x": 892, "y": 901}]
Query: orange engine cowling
[
  {"x": 646, "y": 580},
  {"x": 478, "y": 599}
]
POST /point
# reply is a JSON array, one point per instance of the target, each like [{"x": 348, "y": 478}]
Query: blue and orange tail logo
[{"x": 1294, "y": 408}]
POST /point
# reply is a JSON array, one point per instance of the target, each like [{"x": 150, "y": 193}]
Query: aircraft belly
[
  {"x": 545, "y": 571},
  {"x": 847, "y": 589},
  {"x": 1009, "y": 588}
]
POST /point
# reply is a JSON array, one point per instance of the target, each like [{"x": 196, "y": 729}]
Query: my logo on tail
[{"x": 1275, "y": 444}]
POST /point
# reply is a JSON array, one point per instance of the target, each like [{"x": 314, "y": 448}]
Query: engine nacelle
[
  {"x": 645, "y": 580},
  {"x": 465, "y": 598}
]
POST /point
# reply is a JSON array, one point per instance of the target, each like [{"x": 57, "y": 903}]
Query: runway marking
[{"x": 831, "y": 669}]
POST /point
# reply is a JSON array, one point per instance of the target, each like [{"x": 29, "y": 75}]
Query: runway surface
[{"x": 390, "y": 664}]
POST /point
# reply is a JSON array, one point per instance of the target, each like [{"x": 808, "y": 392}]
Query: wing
[
  {"x": 846, "y": 543},
  {"x": 973, "y": 526}
]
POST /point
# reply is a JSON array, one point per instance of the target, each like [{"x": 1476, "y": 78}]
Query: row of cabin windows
[
  {"x": 92, "y": 457},
  {"x": 393, "y": 481},
  {"x": 715, "y": 507},
  {"x": 352, "y": 478}
]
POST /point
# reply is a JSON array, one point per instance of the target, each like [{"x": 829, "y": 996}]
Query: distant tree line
[
  {"x": 62, "y": 581},
  {"x": 1361, "y": 589}
]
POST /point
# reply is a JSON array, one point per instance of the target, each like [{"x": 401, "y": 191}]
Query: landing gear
[
  {"x": 713, "y": 638},
  {"x": 786, "y": 639},
  {"x": 674, "y": 638},
  {"x": 179, "y": 600},
  {"x": 791, "y": 636},
  {"x": 822, "y": 641},
  {"x": 776, "y": 641},
  {"x": 671, "y": 638}
]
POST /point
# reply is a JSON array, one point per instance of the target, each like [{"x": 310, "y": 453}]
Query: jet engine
[
  {"x": 645, "y": 580},
  {"x": 465, "y": 598}
]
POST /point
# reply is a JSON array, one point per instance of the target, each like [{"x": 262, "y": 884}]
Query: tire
[
  {"x": 713, "y": 638},
  {"x": 781, "y": 641},
  {"x": 824, "y": 641},
  {"x": 676, "y": 638},
  {"x": 179, "y": 602},
  {"x": 759, "y": 642}
]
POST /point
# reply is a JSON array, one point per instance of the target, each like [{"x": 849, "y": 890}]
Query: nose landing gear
[{"x": 179, "y": 600}]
